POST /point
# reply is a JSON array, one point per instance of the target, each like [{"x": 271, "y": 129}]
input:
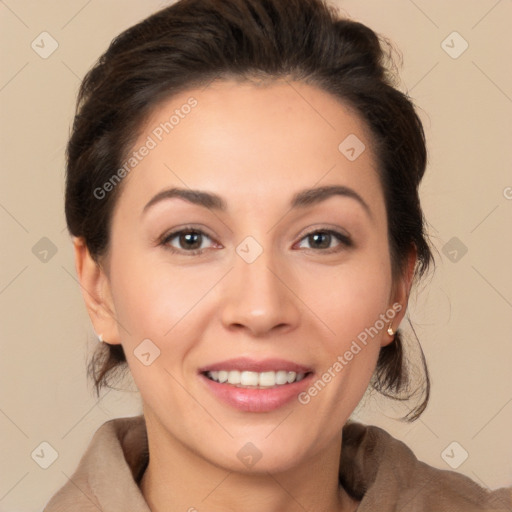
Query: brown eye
[
  {"x": 189, "y": 241},
  {"x": 323, "y": 240},
  {"x": 320, "y": 240}
]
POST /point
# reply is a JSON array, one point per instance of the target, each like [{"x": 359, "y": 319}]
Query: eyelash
[{"x": 344, "y": 240}]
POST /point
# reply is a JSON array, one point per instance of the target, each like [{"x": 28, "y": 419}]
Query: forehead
[{"x": 247, "y": 140}]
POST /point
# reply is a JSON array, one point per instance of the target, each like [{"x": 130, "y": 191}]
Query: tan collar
[{"x": 375, "y": 468}]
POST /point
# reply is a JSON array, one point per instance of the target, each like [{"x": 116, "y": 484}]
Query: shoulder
[
  {"x": 385, "y": 475},
  {"x": 107, "y": 472}
]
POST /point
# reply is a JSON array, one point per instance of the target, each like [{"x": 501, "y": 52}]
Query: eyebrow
[{"x": 302, "y": 199}]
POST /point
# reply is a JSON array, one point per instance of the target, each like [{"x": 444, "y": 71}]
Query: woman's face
[{"x": 285, "y": 271}]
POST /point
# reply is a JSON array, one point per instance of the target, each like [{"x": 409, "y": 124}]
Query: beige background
[{"x": 462, "y": 314}]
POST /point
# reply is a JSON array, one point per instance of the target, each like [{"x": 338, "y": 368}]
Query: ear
[
  {"x": 95, "y": 286},
  {"x": 400, "y": 295}
]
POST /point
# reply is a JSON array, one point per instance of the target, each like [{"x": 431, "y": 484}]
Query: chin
[{"x": 257, "y": 455}]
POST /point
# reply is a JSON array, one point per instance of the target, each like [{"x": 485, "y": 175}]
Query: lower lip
[{"x": 257, "y": 400}]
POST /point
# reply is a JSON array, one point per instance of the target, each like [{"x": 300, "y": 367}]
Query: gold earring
[{"x": 390, "y": 329}]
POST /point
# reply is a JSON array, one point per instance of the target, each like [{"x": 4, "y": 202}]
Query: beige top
[{"x": 375, "y": 468}]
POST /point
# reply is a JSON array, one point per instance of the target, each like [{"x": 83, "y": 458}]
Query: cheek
[
  {"x": 351, "y": 299},
  {"x": 153, "y": 300},
  {"x": 154, "y": 303}
]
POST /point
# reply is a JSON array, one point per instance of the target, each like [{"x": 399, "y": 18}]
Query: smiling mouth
[{"x": 255, "y": 380}]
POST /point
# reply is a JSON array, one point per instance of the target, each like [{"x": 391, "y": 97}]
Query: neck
[{"x": 178, "y": 479}]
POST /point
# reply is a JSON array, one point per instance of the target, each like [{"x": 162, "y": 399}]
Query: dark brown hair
[{"x": 194, "y": 42}]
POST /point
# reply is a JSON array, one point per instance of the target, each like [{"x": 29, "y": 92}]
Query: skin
[{"x": 255, "y": 145}]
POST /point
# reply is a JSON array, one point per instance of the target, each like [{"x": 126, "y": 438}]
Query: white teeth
[
  {"x": 249, "y": 379},
  {"x": 255, "y": 379},
  {"x": 267, "y": 379},
  {"x": 234, "y": 377},
  {"x": 281, "y": 377}
]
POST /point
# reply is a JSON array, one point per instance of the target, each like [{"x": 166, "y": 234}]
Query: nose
[{"x": 259, "y": 298}]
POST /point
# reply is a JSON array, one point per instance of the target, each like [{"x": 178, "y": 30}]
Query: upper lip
[{"x": 253, "y": 365}]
